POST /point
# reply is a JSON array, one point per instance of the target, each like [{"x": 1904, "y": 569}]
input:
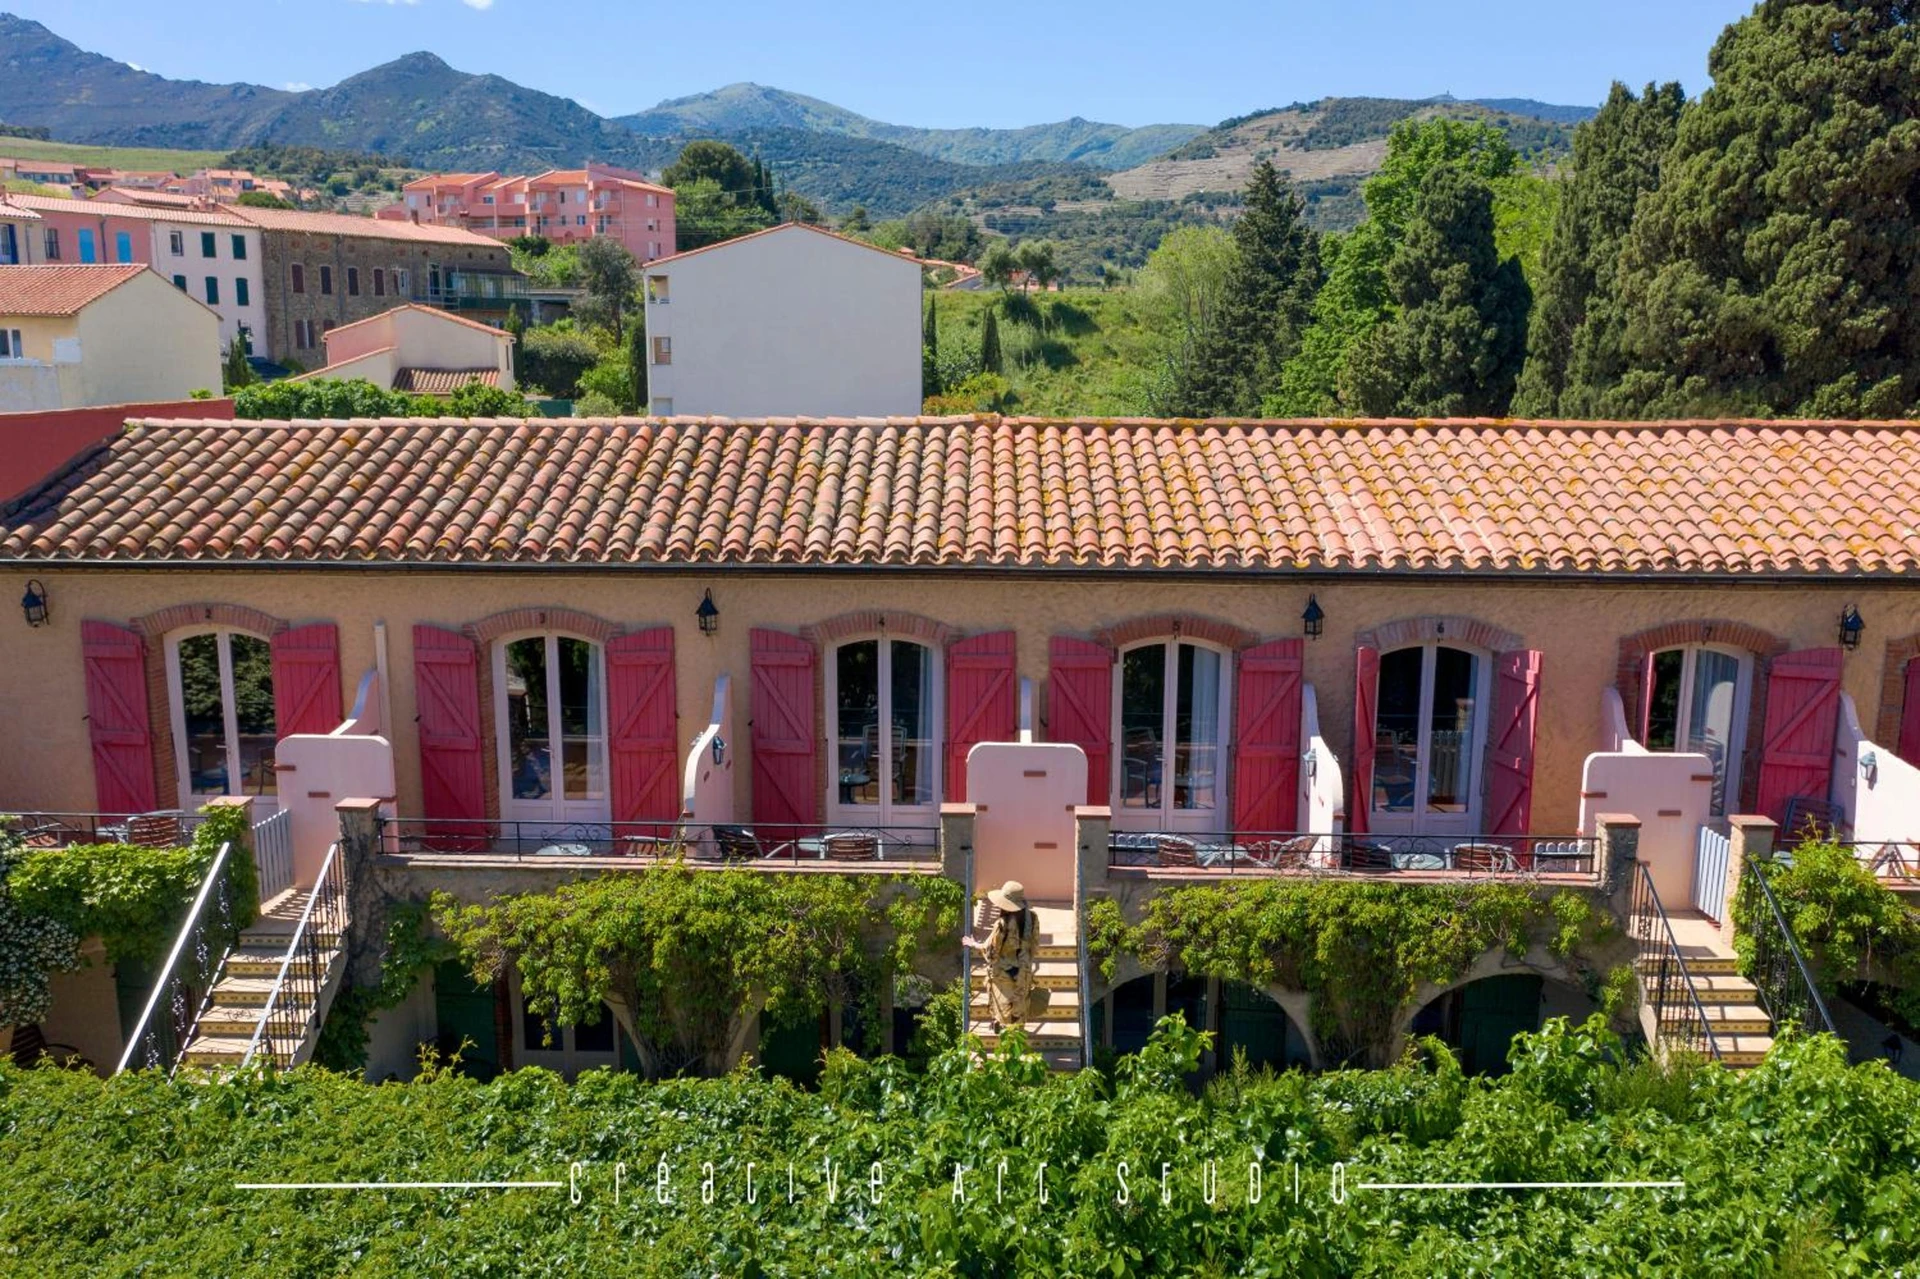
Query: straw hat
[{"x": 1011, "y": 895}]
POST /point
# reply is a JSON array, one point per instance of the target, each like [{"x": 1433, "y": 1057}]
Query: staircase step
[
  {"x": 233, "y": 991},
  {"x": 1696, "y": 964},
  {"x": 1063, "y": 1006},
  {"x": 1054, "y": 974},
  {"x": 1058, "y": 950},
  {"x": 259, "y": 960},
  {"x": 1724, "y": 988},
  {"x": 1726, "y": 1019},
  {"x": 221, "y": 1050},
  {"x": 1041, "y": 1036},
  {"x": 1743, "y": 1052}
]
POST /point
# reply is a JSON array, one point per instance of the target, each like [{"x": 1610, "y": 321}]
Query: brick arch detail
[
  {"x": 1764, "y": 645},
  {"x": 870, "y": 621},
  {"x": 154, "y": 627},
  {"x": 1893, "y": 688},
  {"x": 1209, "y": 630},
  {"x": 1436, "y": 626},
  {"x": 570, "y": 620}
]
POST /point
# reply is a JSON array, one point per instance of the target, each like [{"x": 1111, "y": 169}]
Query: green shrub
[{"x": 552, "y": 360}]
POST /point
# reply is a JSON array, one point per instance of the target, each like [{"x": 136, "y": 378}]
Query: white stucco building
[
  {"x": 77, "y": 335},
  {"x": 788, "y": 322}
]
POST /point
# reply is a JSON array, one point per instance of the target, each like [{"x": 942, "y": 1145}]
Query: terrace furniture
[
  {"x": 1481, "y": 857},
  {"x": 1133, "y": 848},
  {"x": 1175, "y": 851},
  {"x": 1809, "y": 818},
  {"x": 165, "y": 829},
  {"x": 564, "y": 850},
  {"x": 853, "y": 846},
  {"x": 737, "y": 844},
  {"x": 1561, "y": 857},
  {"x": 1366, "y": 855},
  {"x": 1282, "y": 854}
]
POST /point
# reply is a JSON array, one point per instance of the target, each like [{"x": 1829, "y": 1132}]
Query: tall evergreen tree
[
  {"x": 990, "y": 343},
  {"x": 930, "y": 350},
  {"x": 1777, "y": 267},
  {"x": 1458, "y": 333},
  {"x": 1266, "y": 305},
  {"x": 235, "y": 371},
  {"x": 1574, "y": 335},
  {"x": 637, "y": 362}
]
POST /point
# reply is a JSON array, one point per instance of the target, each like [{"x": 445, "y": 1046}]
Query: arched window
[
  {"x": 550, "y": 702},
  {"x": 1430, "y": 728},
  {"x": 220, "y": 694},
  {"x": 885, "y": 707},
  {"x": 1696, "y": 701},
  {"x": 1170, "y": 703}
]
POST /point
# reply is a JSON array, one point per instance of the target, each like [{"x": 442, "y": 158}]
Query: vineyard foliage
[{"x": 1803, "y": 1166}]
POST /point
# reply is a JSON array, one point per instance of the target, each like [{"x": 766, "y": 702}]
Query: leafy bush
[
  {"x": 611, "y": 379},
  {"x": 336, "y": 398},
  {"x": 1802, "y": 1165},
  {"x": 552, "y": 360},
  {"x": 595, "y": 405},
  {"x": 1849, "y": 925}
]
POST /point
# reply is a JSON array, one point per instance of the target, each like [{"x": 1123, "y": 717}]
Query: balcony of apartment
[{"x": 481, "y": 290}]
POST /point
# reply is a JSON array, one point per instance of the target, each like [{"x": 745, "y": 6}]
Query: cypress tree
[
  {"x": 1458, "y": 334},
  {"x": 237, "y": 372},
  {"x": 517, "y": 328},
  {"x": 930, "y": 351},
  {"x": 637, "y": 362},
  {"x": 990, "y": 343}
]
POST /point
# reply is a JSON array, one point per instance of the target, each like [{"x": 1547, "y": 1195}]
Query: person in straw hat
[{"x": 1010, "y": 951}]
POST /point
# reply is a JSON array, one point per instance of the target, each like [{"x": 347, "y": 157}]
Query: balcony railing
[
  {"x": 61, "y": 830},
  {"x": 1780, "y": 974},
  {"x": 648, "y": 842},
  {"x": 1895, "y": 859},
  {"x": 1679, "y": 1019},
  {"x": 1280, "y": 852}
]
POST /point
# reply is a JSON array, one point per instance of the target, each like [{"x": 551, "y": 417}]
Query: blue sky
[{"x": 937, "y": 65}]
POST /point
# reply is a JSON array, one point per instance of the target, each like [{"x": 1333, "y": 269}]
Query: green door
[
  {"x": 464, "y": 1010},
  {"x": 793, "y": 1049},
  {"x": 1492, "y": 1012},
  {"x": 1251, "y": 1021}
]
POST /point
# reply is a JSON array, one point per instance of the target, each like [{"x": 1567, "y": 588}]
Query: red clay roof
[
  {"x": 1738, "y": 499},
  {"x": 773, "y": 230},
  {"x": 442, "y": 381},
  {"x": 59, "y": 290},
  {"x": 116, "y": 209},
  {"x": 348, "y": 224},
  {"x": 433, "y": 311}
]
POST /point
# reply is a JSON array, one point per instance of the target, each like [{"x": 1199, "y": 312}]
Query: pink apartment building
[{"x": 564, "y": 205}]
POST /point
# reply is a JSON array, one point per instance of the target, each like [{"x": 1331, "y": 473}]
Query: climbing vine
[
  {"x": 1361, "y": 950},
  {"x": 409, "y": 946},
  {"x": 692, "y": 955}
]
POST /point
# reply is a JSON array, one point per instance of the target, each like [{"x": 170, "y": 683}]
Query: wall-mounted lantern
[
  {"x": 719, "y": 749},
  {"x": 34, "y": 603},
  {"x": 708, "y": 614},
  {"x": 1850, "y": 628},
  {"x": 1314, "y": 619}
]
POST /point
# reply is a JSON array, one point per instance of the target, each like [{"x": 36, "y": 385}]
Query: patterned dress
[{"x": 1009, "y": 952}]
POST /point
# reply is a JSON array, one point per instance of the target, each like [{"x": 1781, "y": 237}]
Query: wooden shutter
[
  {"x": 1909, "y": 747},
  {"x": 116, "y": 668},
  {"x": 644, "y": 740},
  {"x": 1266, "y": 738},
  {"x": 306, "y": 679},
  {"x": 1646, "y": 695},
  {"x": 1080, "y": 706},
  {"x": 1803, "y": 706},
  {"x": 786, "y": 733},
  {"x": 1516, "y": 714},
  {"x": 446, "y": 690},
  {"x": 982, "y": 703},
  {"x": 1366, "y": 696}
]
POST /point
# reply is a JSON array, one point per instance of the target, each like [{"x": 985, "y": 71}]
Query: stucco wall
[
  {"x": 144, "y": 341},
  {"x": 224, "y": 267},
  {"x": 789, "y": 323},
  {"x": 1578, "y": 626}
]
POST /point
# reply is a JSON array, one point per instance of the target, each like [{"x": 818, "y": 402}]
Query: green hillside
[{"x": 153, "y": 159}]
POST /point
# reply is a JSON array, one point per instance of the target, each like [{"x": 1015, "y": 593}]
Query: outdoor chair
[
  {"x": 1282, "y": 854},
  {"x": 1361, "y": 854},
  {"x": 737, "y": 844},
  {"x": 1481, "y": 857},
  {"x": 1809, "y": 818},
  {"x": 852, "y": 846},
  {"x": 166, "y": 829},
  {"x": 1176, "y": 852}
]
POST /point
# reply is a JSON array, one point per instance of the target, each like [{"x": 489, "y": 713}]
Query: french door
[
  {"x": 550, "y": 705},
  {"x": 1429, "y": 741},
  {"x": 1170, "y": 702}
]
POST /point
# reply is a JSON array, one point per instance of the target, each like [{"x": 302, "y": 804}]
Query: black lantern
[
  {"x": 34, "y": 603},
  {"x": 709, "y": 615},
  {"x": 1850, "y": 627},
  {"x": 1314, "y": 618},
  {"x": 719, "y": 749}
]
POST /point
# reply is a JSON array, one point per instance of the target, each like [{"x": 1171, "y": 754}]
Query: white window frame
[
  {"x": 886, "y": 812},
  {"x": 563, "y": 1055},
  {"x": 177, "y": 243},
  {"x": 1420, "y": 821},
  {"x": 230, "y": 727},
  {"x": 556, "y": 808},
  {"x": 11, "y": 346},
  {"x": 1683, "y": 716},
  {"x": 1165, "y": 816}
]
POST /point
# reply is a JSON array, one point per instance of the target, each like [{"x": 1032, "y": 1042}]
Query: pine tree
[
  {"x": 1458, "y": 334},
  {"x": 236, "y": 372},
  {"x": 1267, "y": 303},
  {"x": 930, "y": 351},
  {"x": 1776, "y": 268},
  {"x": 1574, "y": 336},
  {"x": 990, "y": 343},
  {"x": 637, "y": 362}
]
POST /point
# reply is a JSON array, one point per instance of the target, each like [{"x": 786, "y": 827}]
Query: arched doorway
[
  {"x": 1479, "y": 1019},
  {"x": 1239, "y": 1017}
]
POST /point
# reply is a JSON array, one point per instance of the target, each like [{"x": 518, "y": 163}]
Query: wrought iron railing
[
  {"x": 1281, "y": 852},
  {"x": 273, "y": 854},
  {"x": 61, "y": 830},
  {"x": 1679, "y": 1018},
  {"x": 292, "y": 1011},
  {"x": 1886, "y": 858},
  {"x": 1780, "y": 973},
  {"x": 703, "y": 842},
  {"x": 198, "y": 951}
]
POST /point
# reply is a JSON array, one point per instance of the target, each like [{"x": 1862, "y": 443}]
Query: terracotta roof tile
[
  {"x": 300, "y": 220},
  {"x": 441, "y": 381},
  {"x": 1655, "y": 499},
  {"x": 59, "y": 290}
]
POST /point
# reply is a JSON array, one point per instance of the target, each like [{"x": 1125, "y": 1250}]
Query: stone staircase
[
  {"x": 1740, "y": 1025},
  {"x": 1056, "y": 1036},
  {"x": 246, "y": 981}
]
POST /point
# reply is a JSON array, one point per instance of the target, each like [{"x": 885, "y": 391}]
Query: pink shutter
[
  {"x": 1803, "y": 706},
  {"x": 1516, "y": 713},
  {"x": 446, "y": 690},
  {"x": 785, "y": 731},
  {"x": 116, "y": 667},
  {"x": 306, "y": 679},
  {"x": 1646, "y": 696},
  {"x": 644, "y": 742},
  {"x": 982, "y": 703},
  {"x": 1266, "y": 738},
  {"x": 1366, "y": 693},
  {"x": 1909, "y": 747},
  {"x": 1080, "y": 706}
]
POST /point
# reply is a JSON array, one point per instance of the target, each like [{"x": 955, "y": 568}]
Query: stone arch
[
  {"x": 1764, "y": 645},
  {"x": 1495, "y": 963},
  {"x": 1435, "y": 626},
  {"x": 1208, "y": 630},
  {"x": 572, "y": 620},
  {"x": 871, "y": 621}
]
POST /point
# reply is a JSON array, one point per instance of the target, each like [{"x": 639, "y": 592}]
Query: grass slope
[{"x": 147, "y": 158}]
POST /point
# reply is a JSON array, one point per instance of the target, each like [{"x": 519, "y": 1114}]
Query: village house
[
  {"x": 420, "y": 350},
  {"x": 790, "y": 320},
  {"x": 73, "y": 336},
  {"x": 17, "y": 226},
  {"x": 566, "y": 206}
]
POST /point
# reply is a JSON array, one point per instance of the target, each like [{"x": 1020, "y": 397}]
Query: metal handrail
[
  {"x": 1080, "y": 958},
  {"x": 1774, "y": 993},
  {"x": 303, "y": 938},
  {"x": 1647, "y": 894},
  {"x": 966, "y": 952},
  {"x": 215, "y": 875}
]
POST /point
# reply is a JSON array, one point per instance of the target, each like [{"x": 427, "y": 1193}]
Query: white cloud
[
  {"x": 408, "y": 3},
  {"x": 297, "y": 86},
  {"x": 481, "y": 5}
]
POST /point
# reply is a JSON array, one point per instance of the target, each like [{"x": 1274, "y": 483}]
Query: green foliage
[
  {"x": 689, "y": 956},
  {"x": 1848, "y": 924},
  {"x": 410, "y": 946},
  {"x": 235, "y": 372},
  {"x": 1178, "y": 300},
  {"x": 477, "y": 399},
  {"x": 707, "y": 160},
  {"x": 1802, "y": 1165},
  {"x": 553, "y": 360},
  {"x": 596, "y": 404},
  {"x": 553, "y": 266},
  {"x": 990, "y": 359},
  {"x": 976, "y": 393},
  {"x": 261, "y": 200},
  {"x": 612, "y": 380},
  {"x": 637, "y": 362},
  {"x": 336, "y": 398},
  {"x": 705, "y": 214},
  {"x": 610, "y": 277}
]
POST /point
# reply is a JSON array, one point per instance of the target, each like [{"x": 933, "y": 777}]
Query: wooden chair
[
  {"x": 1175, "y": 851},
  {"x": 852, "y": 846},
  {"x": 1282, "y": 854},
  {"x": 1482, "y": 857},
  {"x": 165, "y": 829},
  {"x": 736, "y": 843}
]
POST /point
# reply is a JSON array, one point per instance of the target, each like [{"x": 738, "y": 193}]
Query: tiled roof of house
[
  {"x": 142, "y": 210},
  {"x": 1642, "y": 499},
  {"x": 433, "y": 311},
  {"x": 59, "y": 290},
  {"x": 776, "y": 230},
  {"x": 348, "y": 224},
  {"x": 8, "y": 209},
  {"x": 442, "y": 381}
]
